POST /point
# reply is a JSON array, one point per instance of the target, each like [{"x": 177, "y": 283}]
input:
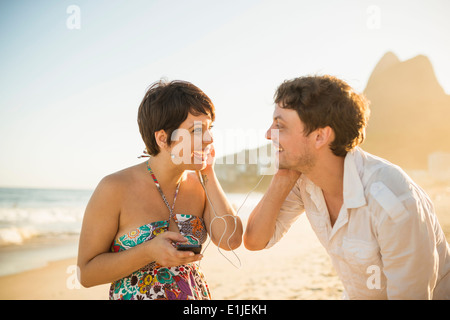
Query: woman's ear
[
  {"x": 161, "y": 139},
  {"x": 323, "y": 137}
]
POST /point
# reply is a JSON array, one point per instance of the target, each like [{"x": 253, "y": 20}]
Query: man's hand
[{"x": 289, "y": 174}]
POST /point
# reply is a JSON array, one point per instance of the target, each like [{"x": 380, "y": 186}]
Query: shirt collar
[{"x": 353, "y": 188}]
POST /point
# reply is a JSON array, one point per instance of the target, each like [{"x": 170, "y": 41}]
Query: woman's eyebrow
[{"x": 196, "y": 123}]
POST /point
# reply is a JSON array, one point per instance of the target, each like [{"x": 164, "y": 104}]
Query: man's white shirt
[{"x": 386, "y": 242}]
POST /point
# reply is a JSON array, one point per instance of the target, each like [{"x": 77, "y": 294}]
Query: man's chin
[
  {"x": 286, "y": 166},
  {"x": 282, "y": 165}
]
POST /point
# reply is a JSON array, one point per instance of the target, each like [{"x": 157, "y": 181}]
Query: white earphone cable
[{"x": 226, "y": 225}]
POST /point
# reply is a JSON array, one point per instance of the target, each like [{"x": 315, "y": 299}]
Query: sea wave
[
  {"x": 18, "y": 225},
  {"x": 14, "y": 235}
]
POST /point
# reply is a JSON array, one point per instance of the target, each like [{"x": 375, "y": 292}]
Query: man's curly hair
[{"x": 322, "y": 101}]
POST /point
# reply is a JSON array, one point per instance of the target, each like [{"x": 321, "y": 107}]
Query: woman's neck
[{"x": 165, "y": 171}]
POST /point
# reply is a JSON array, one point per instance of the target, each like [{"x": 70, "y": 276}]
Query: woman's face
[{"x": 191, "y": 142}]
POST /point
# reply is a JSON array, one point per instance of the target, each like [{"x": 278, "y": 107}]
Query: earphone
[
  {"x": 226, "y": 225},
  {"x": 219, "y": 217}
]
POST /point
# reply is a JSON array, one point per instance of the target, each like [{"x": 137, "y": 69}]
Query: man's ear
[
  {"x": 323, "y": 137},
  {"x": 161, "y": 139}
]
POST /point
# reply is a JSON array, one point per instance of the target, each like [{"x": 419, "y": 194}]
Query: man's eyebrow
[{"x": 278, "y": 117}]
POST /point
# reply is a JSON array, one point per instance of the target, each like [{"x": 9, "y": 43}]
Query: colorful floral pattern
[{"x": 184, "y": 282}]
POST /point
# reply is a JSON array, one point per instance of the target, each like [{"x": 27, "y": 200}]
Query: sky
[{"x": 72, "y": 81}]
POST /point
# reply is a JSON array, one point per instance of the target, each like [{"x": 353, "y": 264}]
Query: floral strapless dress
[{"x": 154, "y": 282}]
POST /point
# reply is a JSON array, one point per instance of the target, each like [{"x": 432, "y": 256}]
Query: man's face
[{"x": 293, "y": 148}]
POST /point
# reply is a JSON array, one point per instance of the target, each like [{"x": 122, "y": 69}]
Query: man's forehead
[{"x": 283, "y": 113}]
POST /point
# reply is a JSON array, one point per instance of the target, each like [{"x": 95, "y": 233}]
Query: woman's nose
[{"x": 208, "y": 137}]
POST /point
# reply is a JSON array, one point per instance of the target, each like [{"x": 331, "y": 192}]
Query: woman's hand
[
  {"x": 210, "y": 160},
  {"x": 165, "y": 254},
  {"x": 231, "y": 231}
]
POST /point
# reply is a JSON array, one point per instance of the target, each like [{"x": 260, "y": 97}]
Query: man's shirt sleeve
[
  {"x": 406, "y": 236},
  {"x": 289, "y": 213}
]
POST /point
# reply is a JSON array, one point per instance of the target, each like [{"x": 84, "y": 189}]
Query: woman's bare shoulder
[
  {"x": 193, "y": 180},
  {"x": 114, "y": 185},
  {"x": 121, "y": 178},
  {"x": 195, "y": 186}
]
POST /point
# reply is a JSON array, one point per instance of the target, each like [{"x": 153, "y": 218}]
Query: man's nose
[{"x": 268, "y": 134}]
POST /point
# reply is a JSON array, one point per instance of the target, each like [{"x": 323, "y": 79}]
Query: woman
[{"x": 137, "y": 216}]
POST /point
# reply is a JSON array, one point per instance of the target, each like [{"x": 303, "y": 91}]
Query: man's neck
[{"x": 328, "y": 174}]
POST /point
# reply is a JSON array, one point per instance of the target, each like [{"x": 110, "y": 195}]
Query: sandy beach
[{"x": 297, "y": 267}]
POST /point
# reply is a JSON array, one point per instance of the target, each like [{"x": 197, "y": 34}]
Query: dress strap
[{"x": 171, "y": 215}]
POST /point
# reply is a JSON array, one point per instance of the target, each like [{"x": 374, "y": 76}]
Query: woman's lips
[{"x": 200, "y": 155}]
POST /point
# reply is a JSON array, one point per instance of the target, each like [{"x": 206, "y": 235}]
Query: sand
[
  {"x": 295, "y": 268},
  {"x": 48, "y": 283}
]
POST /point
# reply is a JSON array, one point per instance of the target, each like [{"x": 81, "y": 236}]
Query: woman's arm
[
  {"x": 226, "y": 231},
  {"x": 96, "y": 262}
]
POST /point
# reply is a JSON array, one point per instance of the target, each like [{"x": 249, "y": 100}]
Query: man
[{"x": 377, "y": 225}]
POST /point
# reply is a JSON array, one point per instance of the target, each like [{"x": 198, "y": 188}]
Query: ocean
[
  {"x": 39, "y": 213},
  {"x": 38, "y": 226},
  {"x": 42, "y": 225}
]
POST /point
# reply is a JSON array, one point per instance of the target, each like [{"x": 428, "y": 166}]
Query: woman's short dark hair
[
  {"x": 166, "y": 105},
  {"x": 322, "y": 101}
]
